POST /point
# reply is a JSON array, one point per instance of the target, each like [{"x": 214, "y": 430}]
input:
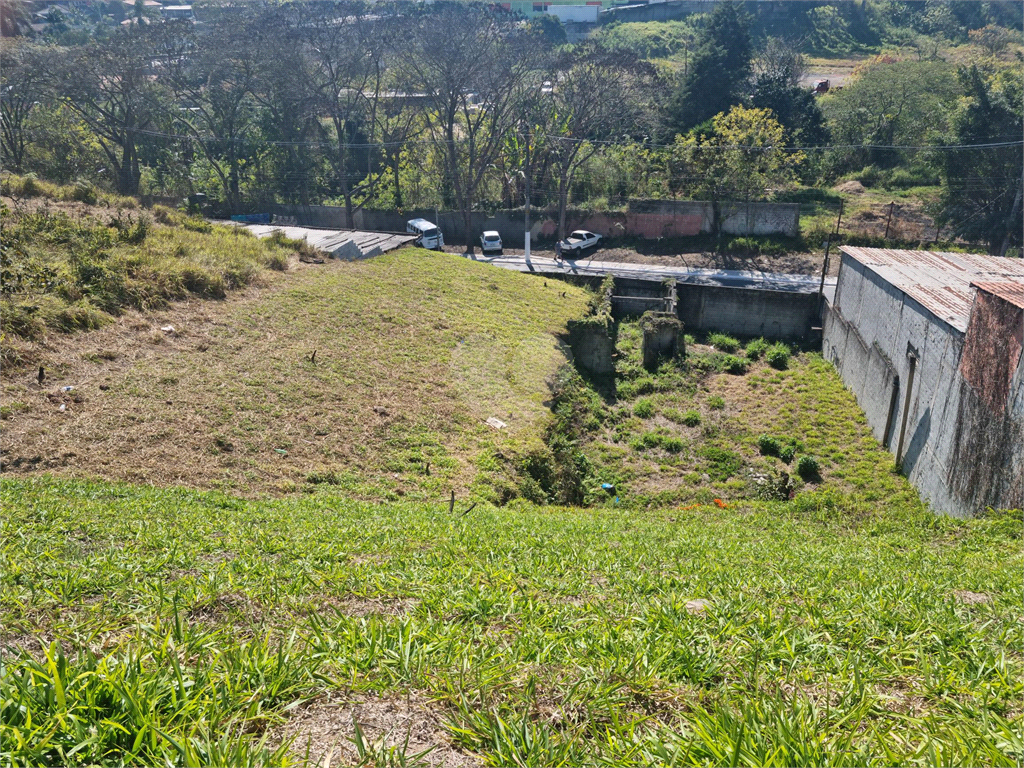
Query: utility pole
[
  {"x": 526, "y": 211},
  {"x": 1013, "y": 216}
]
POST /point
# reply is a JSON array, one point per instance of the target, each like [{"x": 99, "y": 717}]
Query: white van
[{"x": 427, "y": 235}]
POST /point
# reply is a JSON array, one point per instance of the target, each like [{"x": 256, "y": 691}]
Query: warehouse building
[{"x": 930, "y": 344}]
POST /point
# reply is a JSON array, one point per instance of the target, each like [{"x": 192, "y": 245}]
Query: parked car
[
  {"x": 578, "y": 242},
  {"x": 427, "y": 233},
  {"x": 490, "y": 241}
]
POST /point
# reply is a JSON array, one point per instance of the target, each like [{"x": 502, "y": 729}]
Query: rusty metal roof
[
  {"x": 1009, "y": 292},
  {"x": 940, "y": 281}
]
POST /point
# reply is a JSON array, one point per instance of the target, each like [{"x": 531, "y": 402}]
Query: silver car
[{"x": 490, "y": 241}]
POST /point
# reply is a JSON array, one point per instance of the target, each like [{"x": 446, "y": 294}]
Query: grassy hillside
[
  {"x": 68, "y": 265},
  {"x": 414, "y": 350},
  {"x": 148, "y": 626}
]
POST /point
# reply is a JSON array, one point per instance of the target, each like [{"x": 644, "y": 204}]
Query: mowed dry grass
[{"x": 414, "y": 350}]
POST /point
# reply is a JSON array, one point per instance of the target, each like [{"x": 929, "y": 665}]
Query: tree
[
  {"x": 718, "y": 71},
  {"x": 110, "y": 85},
  {"x": 21, "y": 89},
  {"x": 891, "y": 103},
  {"x": 982, "y": 187},
  {"x": 745, "y": 158},
  {"x": 598, "y": 95},
  {"x": 472, "y": 64},
  {"x": 15, "y": 18},
  {"x": 288, "y": 116},
  {"x": 778, "y": 68},
  {"x": 212, "y": 70},
  {"x": 345, "y": 77}
]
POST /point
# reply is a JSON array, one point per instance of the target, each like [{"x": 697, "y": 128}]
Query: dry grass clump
[{"x": 66, "y": 272}]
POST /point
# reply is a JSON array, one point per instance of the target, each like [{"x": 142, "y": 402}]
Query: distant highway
[{"x": 722, "y": 278}]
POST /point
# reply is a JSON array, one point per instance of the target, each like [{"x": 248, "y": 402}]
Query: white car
[
  {"x": 490, "y": 241},
  {"x": 578, "y": 242}
]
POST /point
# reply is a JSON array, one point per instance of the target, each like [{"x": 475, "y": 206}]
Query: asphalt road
[{"x": 724, "y": 278}]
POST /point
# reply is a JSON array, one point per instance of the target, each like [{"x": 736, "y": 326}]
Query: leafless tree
[
  {"x": 113, "y": 86},
  {"x": 599, "y": 95},
  {"x": 344, "y": 66},
  {"x": 212, "y": 71},
  {"x": 21, "y": 88},
  {"x": 472, "y": 63}
]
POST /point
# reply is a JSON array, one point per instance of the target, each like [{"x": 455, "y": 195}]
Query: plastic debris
[
  {"x": 282, "y": 451},
  {"x": 167, "y": 328},
  {"x": 496, "y": 423},
  {"x": 63, "y": 407},
  {"x": 66, "y": 389}
]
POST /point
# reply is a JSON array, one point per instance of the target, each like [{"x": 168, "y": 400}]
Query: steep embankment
[{"x": 413, "y": 351}]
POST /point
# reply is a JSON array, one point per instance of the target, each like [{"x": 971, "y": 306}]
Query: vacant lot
[
  {"x": 413, "y": 351},
  {"x": 149, "y": 626}
]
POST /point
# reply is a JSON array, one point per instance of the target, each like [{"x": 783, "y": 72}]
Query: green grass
[
  {"x": 731, "y": 428},
  {"x": 414, "y": 351},
  {"x": 178, "y": 627},
  {"x": 66, "y": 272}
]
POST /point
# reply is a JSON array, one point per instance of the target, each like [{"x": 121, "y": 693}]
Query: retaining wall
[{"x": 747, "y": 312}]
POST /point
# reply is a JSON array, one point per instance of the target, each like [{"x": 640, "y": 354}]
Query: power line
[{"x": 701, "y": 147}]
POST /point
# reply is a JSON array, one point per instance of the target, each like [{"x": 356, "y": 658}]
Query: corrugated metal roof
[
  {"x": 1010, "y": 292},
  {"x": 939, "y": 281}
]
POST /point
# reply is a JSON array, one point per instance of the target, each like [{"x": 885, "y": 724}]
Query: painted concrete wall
[
  {"x": 866, "y": 336},
  {"x": 644, "y": 219}
]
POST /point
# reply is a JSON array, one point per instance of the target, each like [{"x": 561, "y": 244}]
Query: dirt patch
[
  {"x": 361, "y": 607},
  {"x": 972, "y": 598},
  {"x": 408, "y": 727},
  {"x": 661, "y": 255},
  {"x": 227, "y": 605}
]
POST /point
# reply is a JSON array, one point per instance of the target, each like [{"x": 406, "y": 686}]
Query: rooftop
[
  {"x": 941, "y": 281},
  {"x": 1012, "y": 293}
]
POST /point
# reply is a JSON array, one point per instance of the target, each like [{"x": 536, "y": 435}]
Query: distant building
[
  {"x": 930, "y": 343},
  {"x": 177, "y": 12},
  {"x": 530, "y": 9}
]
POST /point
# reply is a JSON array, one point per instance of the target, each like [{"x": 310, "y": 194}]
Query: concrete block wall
[
  {"x": 743, "y": 312},
  {"x": 649, "y": 219},
  {"x": 886, "y": 320}
]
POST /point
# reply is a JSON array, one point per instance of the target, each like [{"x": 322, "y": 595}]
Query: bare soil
[
  {"x": 790, "y": 263},
  {"x": 408, "y": 725}
]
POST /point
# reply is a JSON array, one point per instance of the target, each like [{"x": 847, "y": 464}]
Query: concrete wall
[
  {"x": 645, "y": 219},
  {"x": 673, "y": 9},
  {"x": 866, "y": 335},
  {"x": 743, "y": 312}
]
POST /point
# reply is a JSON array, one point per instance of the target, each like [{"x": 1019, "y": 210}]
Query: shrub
[
  {"x": 734, "y": 365},
  {"x": 777, "y": 356},
  {"x": 645, "y": 385},
  {"x": 645, "y": 441},
  {"x": 769, "y": 446},
  {"x": 723, "y": 342},
  {"x": 716, "y": 403},
  {"x": 807, "y": 467},
  {"x": 84, "y": 192},
  {"x": 165, "y": 215},
  {"x": 755, "y": 349},
  {"x": 196, "y": 224},
  {"x": 691, "y": 418},
  {"x": 644, "y": 408},
  {"x": 672, "y": 444},
  {"x": 787, "y": 453}
]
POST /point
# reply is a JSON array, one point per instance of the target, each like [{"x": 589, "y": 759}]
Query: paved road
[{"x": 725, "y": 278}]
